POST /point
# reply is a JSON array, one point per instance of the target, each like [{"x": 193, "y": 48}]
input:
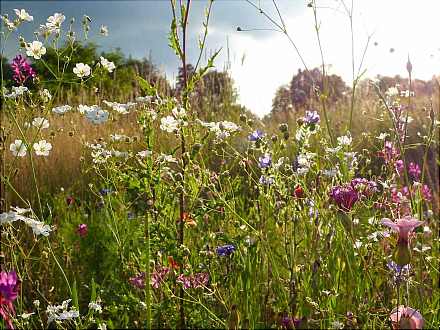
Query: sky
[{"x": 259, "y": 60}]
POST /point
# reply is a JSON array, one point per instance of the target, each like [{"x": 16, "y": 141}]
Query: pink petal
[{"x": 390, "y": 223}]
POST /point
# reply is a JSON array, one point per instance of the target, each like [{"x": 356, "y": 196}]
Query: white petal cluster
[
  {"x": 40, "y": 123},
  {"x": 122, "y": 108},
  {"x": 96, "y": 115},
  {"x": 17, "y": 91},
  {"x": 18, "y": 214},
  {"x": 35, "y": 49},
  {"x": 169, "y": 124},
  {"x": 99, "y": 153},
  {"x": 52, "y": 25},
  {"x": 18, "y": 148},
  {"x": 95, "y": 306},
  {"x": 61, "y": 312},
  {"x": 82, "y": 70},
  {"x": 222, "y": 129},
  {"x": 144, "y": 153},
  {"x": 106, "y": 64},
  {"x": 62, "y": 109},
  {"x": 103, "y": 31},
  {"x": 42, "y": 148},
  {"x": 345, "y": 140},
  {"x": 9, "y": 24}
]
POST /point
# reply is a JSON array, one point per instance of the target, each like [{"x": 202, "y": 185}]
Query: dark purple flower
[
  {"x": 311, "y": 117},
  {"x": 400, "y": 272},
  {"x": 138, "y": 281},
  {"x": 344, "y": 196},
  {"x": 225, "y": 250},
  {"x": 105, "y": 191},
  {"x": 414, "y": 170},
  {"x": 82, "y": 230},
  {"x": 159, "y": 276},
  {"x": 255, "y": 136},
  {"x": 9, "y": 285},
  {"x": 200, "y": 280},
  {"x": 265, "y": 161},
  {"x": 21, "y": 70}
]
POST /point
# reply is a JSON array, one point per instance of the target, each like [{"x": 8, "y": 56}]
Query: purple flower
[
  {"x": 195, "y": 281},
  {"x": 105, "y": 191},
  {"x": 344, "y": 196},
  {"x": 311, "y": 117},
  {"x": 21, "y": 70},
  {"x": 399, "y": 166},
  {"x": 364, "y": 186},
  {"x": 9, "y": 285},
  {"x": 225, "y": 250},
  {"x": 267, "y": 181},
  {"x": 255, "y": 136},
  {"x": 185, "y": 280},
  {"x": 400, "y": 272},
  {"x": 159, "y": 276},
  {"x": 138, "y": 281},
  {"x": 82, "y": 230},
  {"x": 265, "y": 161},
  {"x": 414, "y": 170},
  {"x": 426, "y": 193}
]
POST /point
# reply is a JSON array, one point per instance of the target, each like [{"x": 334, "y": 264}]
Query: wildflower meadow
[{"x": 128, "y": 201}]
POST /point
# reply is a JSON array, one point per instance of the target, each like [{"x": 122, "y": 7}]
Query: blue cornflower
[
  {"x": 225, "y": 250},
  {"x": 255, "y": 136},
  {"x": 265, "y": 161}
]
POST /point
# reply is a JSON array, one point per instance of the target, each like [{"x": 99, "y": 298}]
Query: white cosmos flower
[
  {"x": 18, "y": 148},
  {"x": 108, "y": 65},
  {"x": 82, "y": 70},
  {"x": 23, "y": 15},
  {"x": 83, "y": 108},
  {"x": 35, "y": 49},
  {"x": 40, "y": 123},
  {"x": 103, "y": 30},
  {"x": 121, "y": 108},
  {"x": 169, "y": 124},
  {"x": 55, "y": 20},
  {"x": 62, "y": 109},
  {"x": 42, "y": 148},
  {"x": 142, "y": 99},
  {"x": 96, "y": 115}
]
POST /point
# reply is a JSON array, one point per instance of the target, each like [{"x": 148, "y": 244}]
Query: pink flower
[
  {"x": 406, "y": 318},
  {"x": 403, "y": 227},
  {"x": 9, "y": 284},
  {"x": 82, "y": 230}
]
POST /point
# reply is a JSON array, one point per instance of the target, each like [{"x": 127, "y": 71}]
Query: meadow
[{"x": 127, "y": 202}]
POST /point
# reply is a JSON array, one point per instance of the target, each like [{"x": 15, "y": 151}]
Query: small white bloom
[
  {"x": 40, "y": 122},
  {"x": 42, "y": 148},
  {"x": 55, "y": 20},
  {"x": 345, "y": 140},
  {"x": 35, "y": 49},
  {"x": 178, "y": 112},
  {"x": 17, "y": 91},
  {"x": 18, "y": 148},
  {"x": 357, "y": 244},
  {"x": 102, "y": 326},
  {"x": 82, "y": 70},
  {"x": 61, "y": 110},
  {"x": 26, "y": 315},
  {"x": 143, "y": 99},
  {"x": 23, "y": 15},
  {"x": 106, "y": 64},
  {"x": 392, "y": 91},
  {"x": 103, "y": 30},
  {"x": 95, "y": 307},
  {"x": 96, "y": 115},
  {"x": 169, "y": 124},
  {"x": 118, "y": 137},
  {"x": 83, "y": 108},
  {"x": 45, "y": 95},
  {"x": 382, "y": 136},
  {"x": 144, "y": 153},
  {"x": 36, "y": 303},
  {"x": 9, "y": 24}
]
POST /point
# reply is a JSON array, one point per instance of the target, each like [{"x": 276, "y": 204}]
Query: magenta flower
[
  {"x": 403, "y": 227},
  {"x": 198, "y": 280},
  {"x": 21, "y": 70},
  {"x": 138, "y": 281},
  {"x": 82, "y": 230},
  {"x": 414, "y": 170},
  {"x": 406, "y": 318},
  {"x": 344, "y": 197},
  {"x": 159, "y": 276},
  {"x": 9, "y": 285},
  {"x": 426, "y": 193}
]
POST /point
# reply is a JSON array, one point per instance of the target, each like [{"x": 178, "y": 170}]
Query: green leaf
[{"x": 75, "y": 296}]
